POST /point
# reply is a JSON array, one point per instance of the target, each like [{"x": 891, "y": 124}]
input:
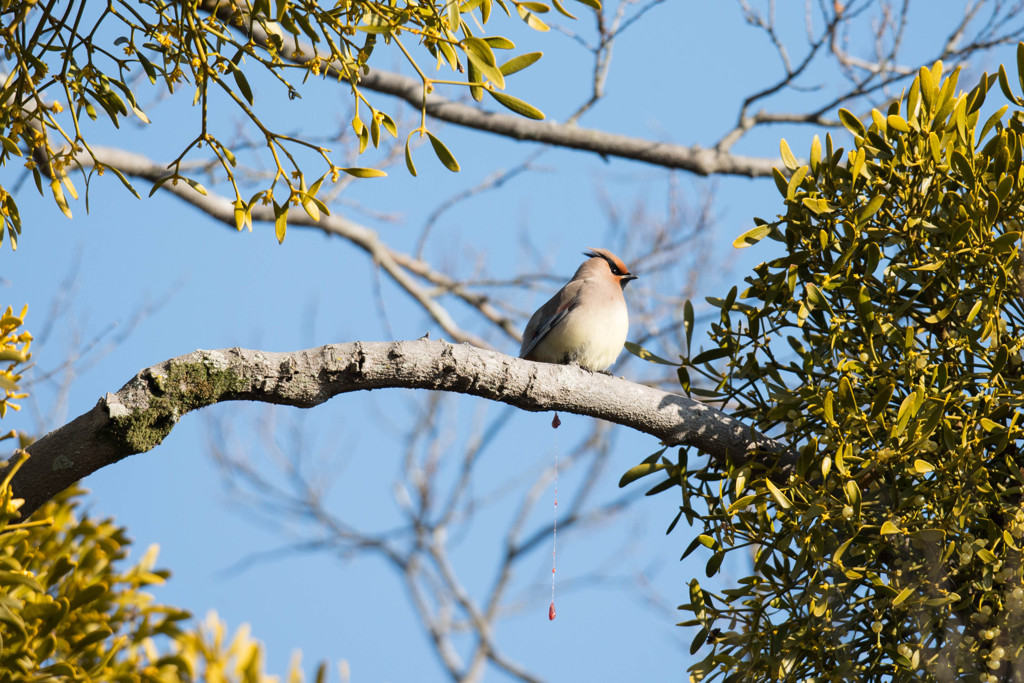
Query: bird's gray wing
[{"x": 550, "y": 324}]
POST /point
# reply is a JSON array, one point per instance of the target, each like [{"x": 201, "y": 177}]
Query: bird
[{"x": 585, "y": 323}]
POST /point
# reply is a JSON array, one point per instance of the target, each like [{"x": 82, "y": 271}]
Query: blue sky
[{"x": 677, "y": 76}]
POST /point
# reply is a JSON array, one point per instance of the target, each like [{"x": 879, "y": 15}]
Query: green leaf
[
  {"x": 779, "y": 496},
  {"x": 280, "y": 221},
  {"x": 787, "y": 155},
  {"x": 929, "y": 267},
  {"x": 10, "y": 146},
  {"x": 562, "y": 10},
  {"x": 922, "y": 466},
  {"x": 838, "y": 554},
  {"x": 815, "y": 297},
  {"x": 684, "y": 378},
  {"x": 445, "y": 156},
  {"x": 709, "y": 356},
  {"x": 688, "y": 323},
  {"x": 473, "y": 75},
  {"x": 707, "y": 541},
  {"x": 780, "y": 181},
  {"x": 243, "y": 84},
  {"x": 702, "y": 635},
  {"x": 124, "y": 180},
  {"x": 903, "y": 595},
  {"x": 519, "y": 62},
  {"x": 741, "y": 503},
  {"x": 364, "y": 172},
  {"x": 694, "y": 544},
  {"x": 100, "y": 634},
  {"x": 499, "y": 43},
  {"x": 480, "y": 53},
  {"x": 752, "y": 236},
  {"x": 714, "y": 564},
  {"x": 908, "y": 408},
  {"x": 1006, "y": 241},
  {"x": 1020, "y": 63},
  {"x": 479, "y": 49},
  {"x": 309, "y": 205},
  {"x": 195, "y": 185},
  {"x": 889, "y": 528},
  {"x": 453, "y": 16},
  {"x": 89, "y": 594},
  {"x": 408, "y": 156},
  {"x": 1004, "y": 85},
  {"x": 58, "y": 196},
  {"x": 643, "y": 354},
  {"x": 870, "y": 209},
  {"x": 853, "y": 494},
  {"x": 963, "y": 167},
  {"x": 818, "y": 206},
  {"x": 846, "y": 396},
  {"x": 639, "y": 471},
  {"x": 929, "y": 91},
  {"x": 794, "y": 181},
  {"x": 852, "y": 123},
  {"x": 517, "y": 105},
  {"x": 898, "y": 122}
]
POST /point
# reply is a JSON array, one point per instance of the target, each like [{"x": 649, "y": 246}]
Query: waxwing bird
[{"x": 586, "y": 322}]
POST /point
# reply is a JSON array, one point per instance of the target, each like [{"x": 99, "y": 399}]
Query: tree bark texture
[{"x": 136, "y": 418}]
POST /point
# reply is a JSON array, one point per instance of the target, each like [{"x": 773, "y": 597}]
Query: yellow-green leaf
[
  {"x": 519, "y": 62},
  {"x": 898, "y": 122},
  {"x": 779, "y": 496},
  {"x": 443, "y": 154},
  {"x": 889, "y": 528},
  {"x": 752, "y": 236},
  {"x": 58, "y": 196},
  {"x": 280, "y": 221},
  {"x": 787, "y": 155},
  {"x": 644, "y": 354},
  {"x": 408, "y": 156},
  {"x": 817, "y": 205},
  {"x": 517, "y": 105},
  {"x": 641, "y": 470},
  {"x": 851, "y": 122},
  {"x": 903, "y": 595},
  {"x": 922, "y": 466},
  {"x": 364, "y": 172}
]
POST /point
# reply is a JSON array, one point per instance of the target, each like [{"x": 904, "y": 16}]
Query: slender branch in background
[
  {"x": 401, "y": 268},
  {"x": 494, "y": 181},
  {"x": 437, "y": 519}
]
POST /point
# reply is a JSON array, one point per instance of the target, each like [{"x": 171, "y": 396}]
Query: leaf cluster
[
  {"x": 884, "y": 347},
  {"x": 14, "y": 354},
  {"x": 71, "y": 610},
  {"x": 68, "y": 65}
]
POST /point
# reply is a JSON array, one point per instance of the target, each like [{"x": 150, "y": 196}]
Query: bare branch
[{"x": 400, "y": 267}]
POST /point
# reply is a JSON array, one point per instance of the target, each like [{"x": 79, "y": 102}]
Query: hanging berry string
[{"x": 554, "y": 527}]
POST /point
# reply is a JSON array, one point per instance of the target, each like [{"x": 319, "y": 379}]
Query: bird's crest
[{"x": 614, "y": 262}]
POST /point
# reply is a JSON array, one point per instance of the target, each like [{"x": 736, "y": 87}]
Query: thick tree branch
[{"x": 143, "y": 412}]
